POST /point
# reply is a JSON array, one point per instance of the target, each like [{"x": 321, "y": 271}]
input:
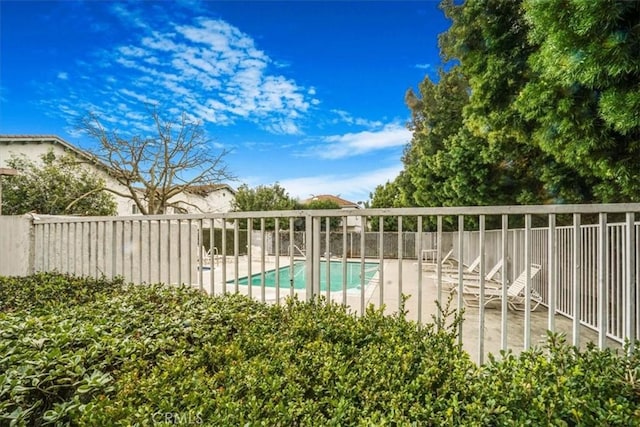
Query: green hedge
[{"x": 99, "y": 352}]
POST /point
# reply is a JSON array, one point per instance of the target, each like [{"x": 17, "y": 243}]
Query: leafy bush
[
  {"x": 558, "y": 385},
  {"x": 44, "y": 289},
  {"x": 114, "y": 354}
]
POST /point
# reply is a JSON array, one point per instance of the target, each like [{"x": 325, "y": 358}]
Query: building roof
[
  {"x": 42, "y": 139},
  {"x": 331, "y": 198}
]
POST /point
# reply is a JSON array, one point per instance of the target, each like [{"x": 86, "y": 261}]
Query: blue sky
[{"x": 307, "y": 94}]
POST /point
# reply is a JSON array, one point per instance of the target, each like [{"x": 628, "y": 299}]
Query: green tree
[
  {"x": 583, "y": 97},
  {"x": 489, "y": 38},
  {"x": 436, "y": 118},
  {"x": 334, "y": 222},
  {"x": 56, "y": 186},
  {"x": 390, "y": 195},
  {"x": 264, "y": 198},
  {"x": 541, "y": 104},
  {"x": 446, "y": 163}
]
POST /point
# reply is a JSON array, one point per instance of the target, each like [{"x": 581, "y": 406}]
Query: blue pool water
[{"x": 335, "y": 276}]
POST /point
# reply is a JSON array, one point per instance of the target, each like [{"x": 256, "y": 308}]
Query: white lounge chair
[
  {"x": 450, "y": 269},
  {"x": 445, "y": 261},
  {"x": 516, "y": 298},
  {"x": 472, "y": 278}
]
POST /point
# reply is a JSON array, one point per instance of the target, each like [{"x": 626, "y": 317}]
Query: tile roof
[{"x": 329, "y": 197}]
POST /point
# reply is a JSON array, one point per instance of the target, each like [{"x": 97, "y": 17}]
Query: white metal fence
[{"x": 589, "y": 271}]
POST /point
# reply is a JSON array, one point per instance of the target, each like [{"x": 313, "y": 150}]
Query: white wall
[
  {"x": 15, "y": 245},
  {"x": 218, "y": 201}
]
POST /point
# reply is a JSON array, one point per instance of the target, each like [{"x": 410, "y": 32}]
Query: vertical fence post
[
  {"x": 31, "y": 267},
  {"x": 314, "y": 256},
  {"x": 630, "y": 282},
  {"x": 482, "y": 295},
  {"x": 114, "y": 247},
  {"x": 223, "y": 230},
  {"x": 419, "y": 253},
  {"x": 249, "y": 257},
  {"x": 460, "y": 271},
  {"x": 327, "y": 255},
  {"x": 212, "y": 256},
  {"x": 438, "y": 263},
  {"x": 602, "y": 280},
  {"x": 504, "y": 279},
  {"x": 527, "y": 287},
  {"x": 200, "y": 253},
  {"x": 236, "y": 252},
  {"x": 292, "y": 264},
  {"x": 276, "y": 235},
  {"x": 400, "y": 254},
  {"x": 381, "y": 261},
  {"x": 180, "y": 246},
  {"x": 309, "y": 255},
  {"x": 140, "y": 259},
  {"x": 576, "y": 279},
  {"x": 345, "y": 254},
  {"x": 363, "y": 248},
  {"x": 262, "y": 260},
  {"x": 552, "y": 272}
]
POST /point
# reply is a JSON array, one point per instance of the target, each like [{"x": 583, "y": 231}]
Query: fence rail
[{"x": 589, "y": 268}]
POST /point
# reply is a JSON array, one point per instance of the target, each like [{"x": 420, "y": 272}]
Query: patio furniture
[
  {"x": 516, "y": 298},
  {"x": 472, "y": 278},
  {"x": 432, "y": 265},
  {"x": 449, "y": 268}
]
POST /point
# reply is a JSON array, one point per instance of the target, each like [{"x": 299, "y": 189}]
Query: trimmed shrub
[
  {"x": 45, "y": 289},
  {"x": 114, "y": 354}
]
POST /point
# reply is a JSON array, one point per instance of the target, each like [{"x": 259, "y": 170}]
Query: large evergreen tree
[
  {"x": 583, "y": 96},
  {"x": 541, "y": 105},
  {"x": 490, "y": 39}
]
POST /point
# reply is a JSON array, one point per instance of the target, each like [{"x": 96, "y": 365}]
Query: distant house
[
  {"x": 211, "y": 198},
  {"x": 198, "y": 199},
  {"x": 354, "y": 223}
]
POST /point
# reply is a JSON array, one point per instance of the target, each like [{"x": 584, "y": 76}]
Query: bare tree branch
[{"x": 155, "y": 169}]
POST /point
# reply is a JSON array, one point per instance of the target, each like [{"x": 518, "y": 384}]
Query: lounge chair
[
  {"x": 516, "y": 297},
  {"x": 446, "y": 261},
  {"x": 472, "y": 278},
  {"x": 450, "y": 269}
]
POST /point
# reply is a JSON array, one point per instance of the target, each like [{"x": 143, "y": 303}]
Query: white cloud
[
  {"x": 206, "y": 67},
  {"x": 133, "y": 51},
  {"x": 353, "y": 144},
  {"x": 138, "y": 97},
  {"x": 128, "y": 15},
  {"x": 345, "y": 117}
]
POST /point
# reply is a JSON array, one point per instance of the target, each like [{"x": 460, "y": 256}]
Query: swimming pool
[{"x": 335, "y": 275}]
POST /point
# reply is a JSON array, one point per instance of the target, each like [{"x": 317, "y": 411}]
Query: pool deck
[{"x": 403, "y": 279}]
